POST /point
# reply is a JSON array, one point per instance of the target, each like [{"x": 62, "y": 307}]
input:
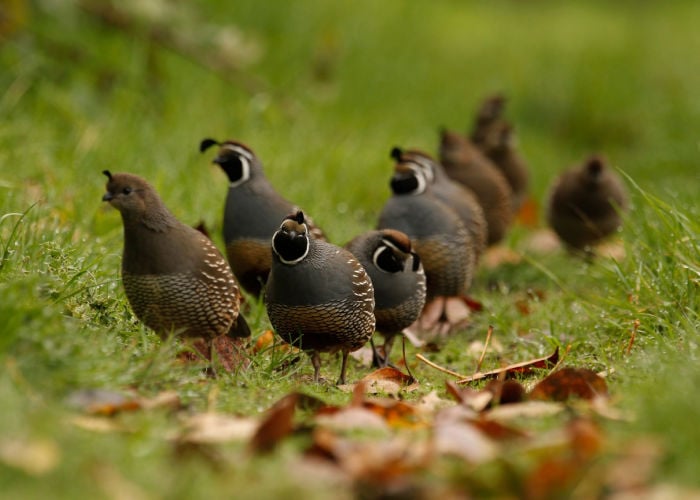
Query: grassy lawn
[{"x": 322, "y": 91}]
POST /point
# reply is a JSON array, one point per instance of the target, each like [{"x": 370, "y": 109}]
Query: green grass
[{"x": 334, "y": 88}]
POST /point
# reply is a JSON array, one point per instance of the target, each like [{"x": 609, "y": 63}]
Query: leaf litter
[{"x": 379, "y": 442}]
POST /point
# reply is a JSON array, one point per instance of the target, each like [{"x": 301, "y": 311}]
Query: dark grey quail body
[
  {"x": 437, "y": 233},
  {"x": 398, "y": 279},
  {"x": 495, "y": 137},
  {"x": 174, "y": 277},
  {"x": 585, "y": 203},
  {"x": 465, "y": 164},
  {"x": 318, "y": 296},
  {"x": 455, "y": 195},
  {"x": 252, "y": 213}
]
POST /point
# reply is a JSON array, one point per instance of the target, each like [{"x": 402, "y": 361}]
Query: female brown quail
[
  {"x": 398, "y": 279},
  {"x": 585, "y": 204},
  {"x": 318, "y": 296},
  {"x": 252, "y": 213},
  {"x": 494, "y": 136},
  {"x": 465, "y": 164},
  {"x": 457, "y": 196},
  {"x": 175, "y": 279},
  {"x": 440, "y": 239}
]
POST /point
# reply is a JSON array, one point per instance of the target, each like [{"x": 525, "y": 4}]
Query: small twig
[
  {"x": 483, "y": 352},
  {"x": 635, "y": 327},
  {"x": 561, "y": 359},
  {"x": 438, "y": 367}
]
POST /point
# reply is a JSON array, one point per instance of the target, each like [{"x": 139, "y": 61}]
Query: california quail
[
  {"x": 465, "y": 164},
  {"x": 494, "y": 136},
  {"x": 458, "y": 197},
  {"x": 252, "y": 213},
  {"x": 175, "y": 279},
  {"x": 585, "y": 203},
  {"x": 398, "y": 279},
  {"x": 438, "y": 235},
  {"x": 318, "y": 296}
]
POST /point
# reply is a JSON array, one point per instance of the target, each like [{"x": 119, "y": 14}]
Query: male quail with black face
[
  {"x": 440, "y": 239},
  {"x": 174, "y": 277},
  {"x": 465, "y": 164},
  {"x": 585, "y": 203},
  {"x": 458, "y": 197},
  {"x": 318, "y": 296},
  {"x": 494, "y": 136},
  {"x": 398, "y": 279},
  {"x": 251, "y": 215}
]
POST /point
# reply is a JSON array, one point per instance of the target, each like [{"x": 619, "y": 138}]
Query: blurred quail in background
[
  {"x": 252, "y": 213},
  {"x": 318, "y": 296},
  {"x": 440, "y": 239},
  {"x": 465, "y": 164},
  {"x": 585, "y": 204},
  {"x": 175, "y": 279},
  {"x": 495, "y": 137},
  {"x": 398, "y": 279}
]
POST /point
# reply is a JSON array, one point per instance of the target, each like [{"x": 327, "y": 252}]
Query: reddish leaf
[
  {"x": 519, "y": 368},
  {"x": 496, "y": 430},
  {"x": 396, "y": 413},
  {"x": 570, "y": 382},
  {"x": 506, "y": 391},
  {"x": 103, "y": 402},
  {"x": 277, "y": 424},
  {"x": 473, "y": 304},
  {"x": 529, "y": 213}
]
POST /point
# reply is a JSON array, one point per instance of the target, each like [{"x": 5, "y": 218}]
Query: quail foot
[
  {"x": 175, "y": 279},
  {"x": 252, "y": 213},
  {"x": 318, "y": 296},
  {"x": 585, "y": 204},
  {"x": 398, "y": 279}
]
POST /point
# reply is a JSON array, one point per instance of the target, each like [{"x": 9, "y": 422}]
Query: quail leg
[
  {"x": 343, "y": 366},
  {"x": 316, "y": 362}
]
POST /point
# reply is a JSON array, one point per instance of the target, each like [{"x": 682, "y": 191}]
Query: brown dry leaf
[
  {"x": 208, "y": 428},
  {"x": 464, "y": 440},
  {"x": 635, "y": 468},
  {"x": 396, "y": 413},
  {"x": 277, "y": 424},
  {"x": 506, "y": 391},
  {"x": 517, "y": 368},
  {"x": 35, "y": 457},
  {"x": 352, "y": 417},
  {"x": 103, "y": 402},
  {"x": 388, "y": 380},
  {"x": 570, "y": 382},
  {"x": 529, "y": 213},
  {"x": 476, "y": 400},
  {"x": 363, "y": 355},
  {"x": 543, "y": 242},
  {"x": 497, "y": 431},
  {"x": 527, "y": 409},
  {"x": 166, "y": 399},
  {"x": 431, "y": 402}
]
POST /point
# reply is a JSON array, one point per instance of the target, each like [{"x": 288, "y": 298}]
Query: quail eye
[{"x": 127, "y": 190}]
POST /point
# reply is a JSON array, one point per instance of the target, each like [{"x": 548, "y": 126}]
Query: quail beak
[
  {"x": 218, "y": 160},
  {"x": 107, "y": 196}
]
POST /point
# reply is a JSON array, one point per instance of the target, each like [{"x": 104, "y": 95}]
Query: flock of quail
[{"x": 409, "y": 275}]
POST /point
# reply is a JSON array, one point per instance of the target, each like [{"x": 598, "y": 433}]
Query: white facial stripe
[
  {"x": 240, "y": 151},
  {"x": 426, "y": 168},
  {"x": 421, "y": 180}
]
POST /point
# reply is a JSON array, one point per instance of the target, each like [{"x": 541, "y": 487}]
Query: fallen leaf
[
  {"x": 35, "y": 457},
  {"x": 528, "y": 214},
  {"x": 506, "y": 391},
  {"x": 570, "y": 382},
  {"x": 208, "y": 428},
  {"x": 543, "y": 242},
  {"x": 97, "y": 424},
  {"x": 395, "y": 413},
  {"x": 496, "y": 430},
  {"x": 264, "y": 341},
  {"x": 463, "y": 440},
  {"x": 350, "y": 418},
  {"x": 476, "y": 400},
  {"x": 527, "y": 409},
  {"x": 517, "y": 368},
  {"x": 388, "y": 380},
  {"x": 635, "y": 467},
  {"x": 102, "y": 401},
  {"x": 277, "y": 424},
  {"x": 499, "y": 255}
]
